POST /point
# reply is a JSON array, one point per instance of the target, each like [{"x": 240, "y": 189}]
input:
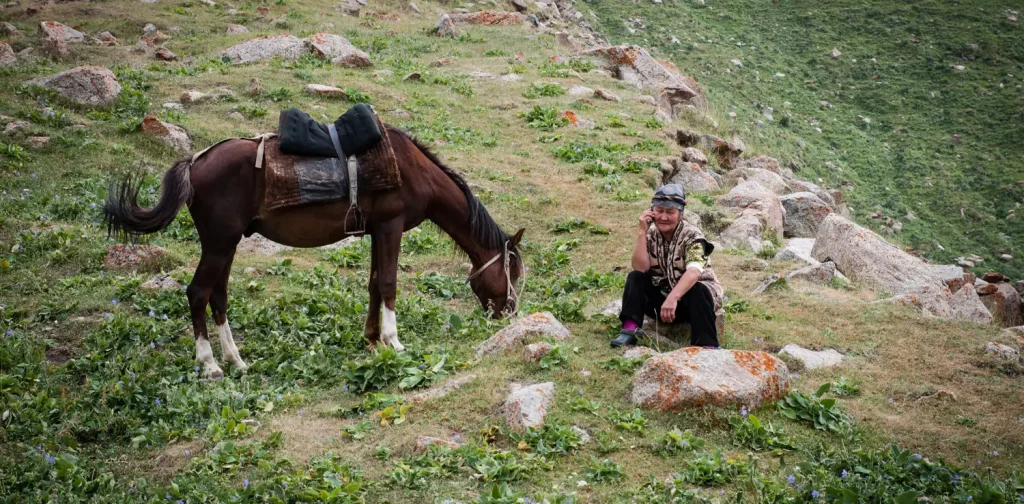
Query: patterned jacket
[{"x": 670, "y": 258}]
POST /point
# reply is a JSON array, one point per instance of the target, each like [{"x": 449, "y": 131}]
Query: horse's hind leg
[
  {"x": 219, "y": 307},
  {"x": 199, "y": 292}
]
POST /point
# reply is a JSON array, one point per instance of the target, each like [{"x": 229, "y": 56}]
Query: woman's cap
[{"x": 670, "y": 195}]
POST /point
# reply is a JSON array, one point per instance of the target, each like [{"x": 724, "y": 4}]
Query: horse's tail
[{"x": 125, "y": 218}]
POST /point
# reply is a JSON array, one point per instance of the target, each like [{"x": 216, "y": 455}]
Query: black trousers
[{"x": 641, "y": 297}]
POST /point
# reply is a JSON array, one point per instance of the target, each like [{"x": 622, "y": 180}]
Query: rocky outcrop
[
  {"x": 338, "y": 50},
  {"x": 86, "y": 85},
  {"x": 285, "y": 47},
  {"x": 488, "y": 18},
  {"x": 813, "y": 359},
  {"x": 693, "y": 377},
  {"x": 771, "y": 180},
  {"x": 170, "y": 134},
  {"x": 765, "y": 163},
  {"x": 1001, "y": 351},
  {"x": 526, "y": 406},
  {"x": 634, "y": 65},
  {"x": 525, "y": 330},
  {"x": 1003, "y": 302},
  {"x": 759, "y": 211},
  {"x": 804, "y": 213},
  {"x": 52, "y": 31}
]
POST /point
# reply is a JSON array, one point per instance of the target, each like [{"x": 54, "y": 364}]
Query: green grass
[
  {"x": 894, "y": 71},
  {"x": 100, "y": 399}
]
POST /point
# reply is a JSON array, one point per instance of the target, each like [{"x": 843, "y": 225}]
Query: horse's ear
[{"x": 518, "y": 237}]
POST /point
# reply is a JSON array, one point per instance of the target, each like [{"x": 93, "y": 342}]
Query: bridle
[{"x": 511, "y": 294}]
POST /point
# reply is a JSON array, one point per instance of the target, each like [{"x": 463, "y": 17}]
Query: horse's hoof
[
  {"x": 212, "y": 372},
  {"x": 240, "y": 365}
]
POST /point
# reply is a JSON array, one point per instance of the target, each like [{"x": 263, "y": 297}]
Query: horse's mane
[{"x": 481, "y": 224}]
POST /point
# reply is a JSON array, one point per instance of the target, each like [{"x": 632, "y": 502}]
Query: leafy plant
[
  {"x": 622, "y": 364},
  {"x": 606, "y": 442},
  {"x": 350, "y": 256},
  {"x": 279, "y": 94},
  {"x": 426, "y": 373},
  {"x": 356, "y": 431},
  {"x": 230, "y": 424},
  {"x": 628, "y": 421},
  {"x": 539, "y": 89},
  {"x": 676, "y": 441},
  {"x": 845, "y": 387},
  {"x": 712, "y": 469},
  {"x": 438, "y": 285},
  {"x": 750, "y": 432},
  {"x": 602, "y": 470},
  {"x": 544, "y": 118},
  {"x": 823, "y": 414},
  {"x": 582, "y": 404},
  {"x": 548, "y": 439}
]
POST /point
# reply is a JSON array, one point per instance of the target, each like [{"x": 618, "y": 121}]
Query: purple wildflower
[
  {"x": 844, "y": 475},
  {"x": 280, "y": 396},
  {"x": 815, "y": 494},
  {"x": 579, "y": 392},
  {"x": 791, "y": 479},
  {"x": 743, "y": 411},
  {"x": 995, "y": 453},
  {"x": 187, "y": 452},
  {"x": 113, "y": 301},
  {"x": 158, "y": 401},
  {"x": 50, "y": 459},
  {"x": 10, "y": 332},
  {"x": 152, "y": 344},
  {"x": 245, "y": 483}
]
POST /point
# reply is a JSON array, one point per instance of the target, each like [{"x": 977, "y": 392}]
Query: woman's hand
[
  {"x": 668, "y": 310},
  {"x": 646, "y": 219}
]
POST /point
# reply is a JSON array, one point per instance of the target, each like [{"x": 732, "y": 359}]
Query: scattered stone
[
  {"x": 835, "y": 53},
  {"x": 612, "y": 309},
  {"x": 445, "y": 27},
  {"x": 754, "y": 264},
  {"x": 165, "y": 54},
  {"x": 798, "y": 185},
  {"x": 9, "y": 29},
  {"x": 728, "y": 153},
  {"x": 87, "y": 85},
  {"x": 15, "y": 126},
  {"x": 804, "y": 213},
  {"x": 773, "y": 181},
  {"x": 193, "y": 97},
  {"x": 285, "y": 47},
  {"x": 636, "y": 66},
  {"x": 349, "y": 7},
  {"x": 693, "y": 155},
  {"x": 170, "y": 134},
  {"x": 524, "y": 331},
  {"x": 1004, "y": 352},
  {"x": 259, "y": 244},
  {"x": 236, "y": 29},
  {"x": 480, "y": 75},
  {"x": 580, "y": 91},
  {"x": 54, "y": 31},
  {"x": 737, "y": 63},
  {"x": 582, "y": 433},
  {"x": 149, "y": 28},
  {"x": 773, "y": 282},
  {"x": 424, "y": 442},
  {"x": 765, "y": 163},
  {"x": 1006, "y": 257},
  {"x": 130, "y": 257},
  {"x": 510, "y": 78},
  {"x": 959, "y": 68},
  {"x": 995, "y": 277},
  {"x": 7, "y": 57},
  {"x": 439, "y": 391},
  {"x": 822, "y": 273},
  {"x": 534, "y": 351},
  {"x": 338, "y": 50},
  {"x": 526, "y": 406},
  {"x": 162, "y": 282},
  {"x": 38, "y": 142},
  {"x": 160, "y": 37},
  {"x": 415, "y": 8},
  {"x": 413, "y": 76},
  {"x": 442, "y": 62},
  {"x": 813, "y": 359},
  {"x": 695, "y": 377},
  {"x": 105, "y": 39},
  {"x": 639, "y": 352},
  {"x": 604, "y": 94},
  {"x": 519, "y": 5},
  {"x": 674, "y": 101},
  {"x": 326, "y": 91}
]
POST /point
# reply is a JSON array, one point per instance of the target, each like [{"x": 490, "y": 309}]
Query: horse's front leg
[
  {"x": 387, "y": 243},
  {"x": 371, "y": 331}
]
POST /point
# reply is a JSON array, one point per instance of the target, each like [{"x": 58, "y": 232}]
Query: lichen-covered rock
[
  {"x": 1004, "y": 352},
  {"x": 694, "y": 377},
  {"x": 760, "y": 210},
  {"x": 804, "y": 213},
  {"x": 338, "y": 50},
  {"x": 812, "y": 359},
  {"x": 804, "y": 186},
  {"x": 745, "y": 232},
  {"x": 770, "y": 180},
  {"x": 765, "y": 163},
  {"x": 692, "y": 176},
  {"x": 171, "y": 134},
  {"x": 797, "y": 249},
  {"x": 938, "y": 301},
  {"x": 1003, "y": 302},
  {"x": 52, "y": 30},
  {"x": 424, "y": 442},
  {"x": 535, "y": 351},
  {"x": 161, "y": 282},
  {"x": 7, "y": 57},
  {"x": 526, "y": 406},
  {"x": 635, "y": 65},
  {"x": 728, "y": 153},
  {"x": 87, "y": 85},
  {"x": 818, "y": 273},
  {"x": 327, "y": 91},
  {"x": 673, "y": 101},
  {"x": 525, "y": 330},
  {"x": 445, "y": 27},
  {"x": 285, "y": 47},
  {"x": 639, "y": 352}
]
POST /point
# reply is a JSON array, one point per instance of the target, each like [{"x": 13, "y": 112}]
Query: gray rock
[
  {"x": 423, "y": 443},
  {"x": 170, "y": 134},
  {"x": 805, "y": 186},
  {"x": 639, "y": 352},
  {"x": 813, "y": 359},
  {"x": 692, "y": 176},
  {"x": 7, "y": 57},
  {"x": 535, "y": 351},
  {"x": 285, "y": 47},
  {"x": 797, "y": 249},
  {"x": 774, "y": 282},
  {"x": 771, "y": 180},
  {"x": 54, "y": 31},
  {"x": 258, "y": 244},
  {"x": 524, "y": 331},
  {"x": 580, "y": 91},
  {"x": 1004, "y": 352},
  {"x": 236, "y": 29},
  {"x": 819, "y": 273},
  {"x": 526, "y": 406},
  {"x": 695, "y": 377},
  {"x": 439, "y": 391},
  {"x": 613, "y": 308},
  {"x": 338, "y": 50},
  {"x": 87, "y": 85},
  {"x": 162, "y": 282},
  {"x": 804, "y": 214}
]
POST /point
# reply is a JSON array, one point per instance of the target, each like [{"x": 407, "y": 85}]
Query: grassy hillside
[
  {"x": 887, "y": 108},
  {"x": 102, "y": 402}
]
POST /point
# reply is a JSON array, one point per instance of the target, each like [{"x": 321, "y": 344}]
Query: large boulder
[
  {"x": 285, "y": 47},
  {"x": 673, "y": 101},
  {"x": 526, "y": 406},
  {"x": 812, "y": 359},
  {"x": 804, "y": 213},
  {"x": 338, "y": 50},
  {"x": 744, "y": 232},
  {"x": 692, "y": 176},
  {"x": 759, "y": 209},
  {"x": 57, "y": 32},
  {"x": 771, "y": 180},
  {"x": 634, "y": 65},
  {"x": 765, "y": 163},
  {"x": 1003, "y": 302},
  {"x": 86, "y": 85},
  {"x": 1001, "y": 351},
  {"x": 525, "y": 330},
  {"x": 693, "y": 377},
  {"x": 7, "y": 57},
  {"x": 728, "y": 153},
  {"x": 963, "y": 304},
  {"x": 798, "y": 185}
]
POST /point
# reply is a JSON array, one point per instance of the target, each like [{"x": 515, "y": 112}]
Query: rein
[{"x": 511, "y": 296}]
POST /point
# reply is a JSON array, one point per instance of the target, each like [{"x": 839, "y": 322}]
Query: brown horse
[{"x": 224, "y": 192}]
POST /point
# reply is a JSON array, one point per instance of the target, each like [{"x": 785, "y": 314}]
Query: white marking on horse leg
[
  {"x": 389, "y": 333},
  {"x": 204, "y": 355},
  {"x": 228, "y": 348}
]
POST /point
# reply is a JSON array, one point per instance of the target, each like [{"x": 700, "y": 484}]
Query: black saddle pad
[{"x": 299, "y": 134}]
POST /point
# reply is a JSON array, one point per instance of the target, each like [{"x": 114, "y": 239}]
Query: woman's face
[{"x": 666, "y": 218}]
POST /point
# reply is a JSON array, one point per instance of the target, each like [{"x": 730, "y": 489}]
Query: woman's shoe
[{"x": 627, "y": 337}]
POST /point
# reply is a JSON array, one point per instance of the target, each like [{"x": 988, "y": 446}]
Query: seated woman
[{"x": 671, "y": 278}]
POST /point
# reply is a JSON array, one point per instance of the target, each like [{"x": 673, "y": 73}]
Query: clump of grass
[{"x": 539, "y": 89}]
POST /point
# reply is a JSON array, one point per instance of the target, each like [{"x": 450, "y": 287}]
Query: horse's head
[{"x": 495, "y": 283}]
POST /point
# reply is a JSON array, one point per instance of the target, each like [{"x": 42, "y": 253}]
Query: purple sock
[{"x": 629, "y": 325}]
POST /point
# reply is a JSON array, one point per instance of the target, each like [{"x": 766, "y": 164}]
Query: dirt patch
[
  {"x": 305, "y": 434},
  {"x": 172, "y": 459}
]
